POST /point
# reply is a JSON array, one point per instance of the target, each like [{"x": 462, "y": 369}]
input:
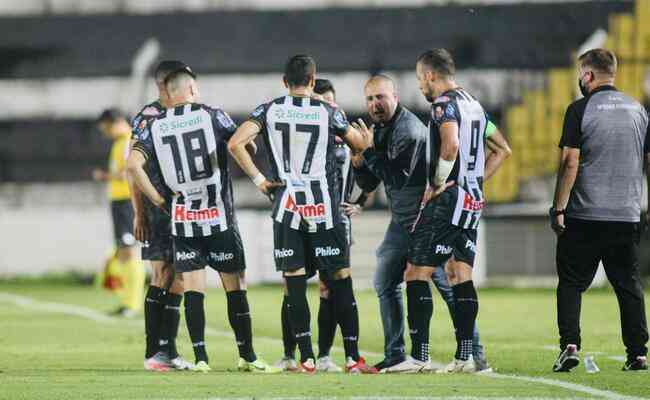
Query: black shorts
[
  {"x": 435, "y": 239},
  {"x": 159, "y": 247},
  {"x": 223, "y": 252},
  {"x": 326, "y": 251},
  {"x": 122, "y": 214}
]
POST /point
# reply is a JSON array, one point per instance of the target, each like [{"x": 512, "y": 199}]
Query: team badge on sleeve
[
  {"x": 258, "y": 111},
  {"x": 225, "y": 120}
]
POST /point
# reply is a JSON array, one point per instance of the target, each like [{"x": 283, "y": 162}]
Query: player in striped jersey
[
  {"x": 299, "y": 132},
  {"x": 445, "y": 232},
  {"x": 324, "y": 90},
  {"x": 188, "y": 142},
  {"x": 152, "y": 227}
]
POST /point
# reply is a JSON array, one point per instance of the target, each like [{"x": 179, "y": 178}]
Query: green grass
[{"x": 57, "y": 356}]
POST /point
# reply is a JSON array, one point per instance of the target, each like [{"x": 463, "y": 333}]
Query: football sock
[
  {"x": 195, "y": 319},
  {"x": 299, "y": 317},
  {"x": 134, "y": 277},
  {"x": 240, "y": 320},
  {"x": 326, "y": 326},
  {"x": 288, "y": 340},
  {"x": 420, "y": 310},
  {"x": 466, "y": 312},
  {"x": 153, "y": 308},
  {"x": 348, "y": 315},
  {"x": 171, "y": 318}
]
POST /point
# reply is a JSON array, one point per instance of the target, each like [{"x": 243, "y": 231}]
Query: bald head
[
  {"x": 181, "y": 88},
  {"x": 381, "y": 98}
]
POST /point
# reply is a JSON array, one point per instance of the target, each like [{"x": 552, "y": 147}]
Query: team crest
[
  {"x": 258, "y": 111},
  {"x": 437, "y": 113}
]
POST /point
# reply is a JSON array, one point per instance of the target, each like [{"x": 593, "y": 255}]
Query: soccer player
[
  {"x": 324, "y": 90},
  {"x": 153, "y": 228},
  {"x": 299, "y": 132},
  {"x": 124, "y": 271},
  {"x": 445, "y": 231},
  {"x": 399, "y": 161},
  {"x": 188, "y": 143}
]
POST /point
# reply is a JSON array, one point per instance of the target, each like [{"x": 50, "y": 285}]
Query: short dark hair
[
  {"x": 601, "y": 60},
  {"x": 299, "y": 70},
  {"x": 167, "y": 67},
  {"x": 111, "y": 115},
  {"x": 323, "y": 86},
  {"x": 439, "y": 60}
]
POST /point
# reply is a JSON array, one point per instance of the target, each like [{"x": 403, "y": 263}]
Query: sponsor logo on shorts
[
  {"x": 442, "y": 249},
  {"x": 310, "y": 211},
  {"x": 221, "y": 257},
  {"x": 470, "y": 245},
  {"x": 470, "y": 204},
  {"x": 283, "y": 253},
  {"x": 327, "y": 251},
  {"x": 185, "y": 256},
  {"x": 182, "y": 214}
]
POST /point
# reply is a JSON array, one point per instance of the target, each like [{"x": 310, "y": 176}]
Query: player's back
[
  {"x": 457, "y": 105},
  {"x": 190, "y": 147},
  {"x": 300, "y": 135}
]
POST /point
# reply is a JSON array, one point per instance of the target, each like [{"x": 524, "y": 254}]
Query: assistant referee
[{"x": 596, "y": 210}]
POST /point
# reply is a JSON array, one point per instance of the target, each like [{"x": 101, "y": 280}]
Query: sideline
[{"x": 89, "y": 313}]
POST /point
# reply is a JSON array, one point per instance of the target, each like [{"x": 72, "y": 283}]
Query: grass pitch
[{"x": 55, "y": 343}]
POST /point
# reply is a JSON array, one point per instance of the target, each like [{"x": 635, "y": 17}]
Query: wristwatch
[{"x": 554, "y": 213}]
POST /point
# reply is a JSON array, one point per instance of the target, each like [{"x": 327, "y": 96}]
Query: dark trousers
[{"x": 579, "y": 250}]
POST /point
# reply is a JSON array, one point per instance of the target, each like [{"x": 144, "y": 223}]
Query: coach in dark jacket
[
  {"x": 597, "y": 206},
  {"x": 397, "y": 159}
]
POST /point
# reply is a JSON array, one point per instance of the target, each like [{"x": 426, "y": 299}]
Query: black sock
[
  {"x": 195, "y": 319},
  {"x": 420, "y": 310},
  {"x": 288, "y": 340},
  {"x": 171, "y": 318},
  {"x": 152, "y": 319},
  {"x": 239, "y": 316},
  {"x": 466, "y": 312},
  {"x": 299, "y": 317},
  {"x": 348, "y": 316},
  {"x": 326, "y": 326}
]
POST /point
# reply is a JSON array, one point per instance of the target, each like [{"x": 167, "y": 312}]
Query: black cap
[{"x": 167, "y": 68}]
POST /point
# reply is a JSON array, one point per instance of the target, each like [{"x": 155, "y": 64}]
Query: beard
[{"x": 429, "y": 97}]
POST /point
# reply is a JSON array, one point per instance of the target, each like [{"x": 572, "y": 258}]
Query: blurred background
[{"x": 63, "y": 61}]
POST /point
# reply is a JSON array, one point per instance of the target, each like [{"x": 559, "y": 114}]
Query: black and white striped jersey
[
  {"x": 300, "y": 135},
  {"x": 458, "y": 106},
  {"x": 189, "y": 142},
  {"x": 346, "y": 174}
]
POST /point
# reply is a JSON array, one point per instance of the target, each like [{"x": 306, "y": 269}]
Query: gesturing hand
[
  {"x": 433, "y": 192},
  {"x": 367, "y": 133}
]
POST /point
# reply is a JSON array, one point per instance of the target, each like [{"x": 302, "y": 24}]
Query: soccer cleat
[
  {"x": 201, "y": 366},
  {"x": 180, "y": 364},
  {"x": 409, "y": 366},
  {"x": 640, "y": 363},
  {"x": 259, "y": 366},
  {"x": 459, "y": 367},
  {"x": 389, "y": 362},
  {"x": 308, "y": 367},
  {"x": 567, "y": 360},
  {"x": 159, "y": 362},
  {"x": 287, "y": 364},
  {"x": 359, "y": 367},
  {"x": 482, "y": 365},
  {"x": 325, "y": 364}
]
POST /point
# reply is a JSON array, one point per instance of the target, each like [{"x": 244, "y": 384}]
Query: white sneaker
[
  {"x": 459, "y": 366},
  {"x": 180, "y": 364},
  {"x": 287, "y": 364},
  {"x": 408, "y": 366},
  {"x": 325, "y": 364}
]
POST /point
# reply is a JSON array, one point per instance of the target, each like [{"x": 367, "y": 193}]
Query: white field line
[{"x": 96, "y": 316}]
